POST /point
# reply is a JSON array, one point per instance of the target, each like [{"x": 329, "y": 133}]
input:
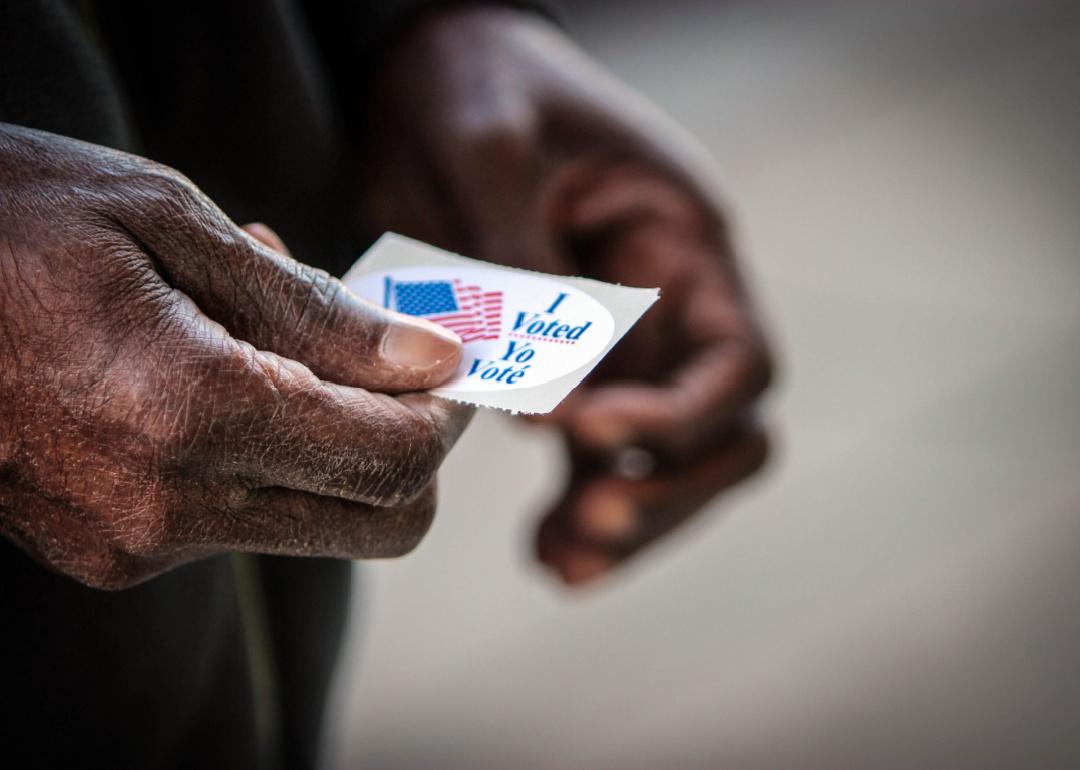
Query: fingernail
[
  {"x": 267, "y": 237},
  {"x": 581, "y": 566},
  {"x": 608, "y": 517},
  {"x": 603, "y": 434},
  {"x": 414, "y": 343}
]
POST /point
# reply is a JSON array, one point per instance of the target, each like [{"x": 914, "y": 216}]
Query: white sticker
[{"x": 530, "y": 338}]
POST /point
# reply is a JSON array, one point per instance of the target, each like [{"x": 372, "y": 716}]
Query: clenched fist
[
  {"x": 493, "y": 133},
  {"x": 171, "y": 387}
]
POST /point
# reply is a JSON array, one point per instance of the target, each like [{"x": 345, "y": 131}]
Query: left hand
[{"x": 494, "y": 135}]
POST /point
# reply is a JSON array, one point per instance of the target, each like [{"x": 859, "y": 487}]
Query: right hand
[{"x": 171, "y": 387}]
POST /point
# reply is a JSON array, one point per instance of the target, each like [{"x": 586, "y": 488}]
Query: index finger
[
  {"x": 707, "y": 390},
  {"x": 691, "y": 366},
  {"x": 722, "y": 365},
  {"x": 301, "y": 433},
  {"x": 263, "y": 420}
]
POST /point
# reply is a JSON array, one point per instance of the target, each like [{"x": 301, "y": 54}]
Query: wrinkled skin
[
  {"x": 491, "y": 133},
  {"x": 172, "y": 387}
]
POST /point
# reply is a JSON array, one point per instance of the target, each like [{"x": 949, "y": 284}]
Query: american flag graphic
[{"x": 469, "y": 311}]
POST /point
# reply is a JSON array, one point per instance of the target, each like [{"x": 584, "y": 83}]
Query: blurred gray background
[{"x": 902, "y": 588}]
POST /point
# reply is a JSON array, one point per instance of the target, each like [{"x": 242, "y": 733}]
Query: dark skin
[
  {"x": 170, "y": 387},
  {"x": 493, "y": 134}
]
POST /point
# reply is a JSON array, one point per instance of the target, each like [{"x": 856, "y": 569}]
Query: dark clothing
[{"x": 257, "y": 101}]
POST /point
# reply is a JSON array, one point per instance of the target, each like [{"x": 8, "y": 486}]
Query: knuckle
[
  {"x": 760, "y": 368},
  {"x": 410, "y": 526},
  {"x": 502, "y": 135},
  {"x": 416, "y": 457},
  {"x": 289, "y": 303},
  {"x": 162, "y": 206},
  {"x": 315, "y": 298},
  {"x": 164, "y": 180},
  {"x": 111, "y": 570},
  {"x": 142, "y": 530},
  {"x": 218, "y": 406},
  {"x": 162, "y": 188},
  {"x": 232, "y": 390},
  {"x": 192, "y": 388}
]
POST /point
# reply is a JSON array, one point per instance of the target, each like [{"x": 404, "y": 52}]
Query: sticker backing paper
[{"x": 530, "y": 338}]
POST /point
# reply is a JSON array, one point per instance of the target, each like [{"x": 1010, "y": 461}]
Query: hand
[
  {"x": 170, "y": 387},
  {"x": 494, "y": 135}
]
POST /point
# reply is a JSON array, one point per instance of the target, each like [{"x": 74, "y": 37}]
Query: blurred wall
[{"x": 902, "y": 589}]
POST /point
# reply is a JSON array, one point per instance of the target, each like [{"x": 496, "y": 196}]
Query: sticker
[{"x": 529, "y": 338}]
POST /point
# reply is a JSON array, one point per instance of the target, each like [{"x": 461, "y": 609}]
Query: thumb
[
  {"x": 265, "y": 297},
  {"x": 403, "y": 352}
]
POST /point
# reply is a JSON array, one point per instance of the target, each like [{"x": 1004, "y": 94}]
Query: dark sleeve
[{"x": 352, "y": 35}]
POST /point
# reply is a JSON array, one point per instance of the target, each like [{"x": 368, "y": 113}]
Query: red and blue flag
[{"x": 467, "y": 310}]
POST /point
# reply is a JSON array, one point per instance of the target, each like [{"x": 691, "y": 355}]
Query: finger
[
  {"x": 278, "y": 304},
  {"x": 719, "y": 362},
  {"x": 302, "y": 433},
  {"x": 309, "y": 316},
  {"x": 605, "y": 519},
  {"x": 677, "y": 416},
  {"x": 631, "y": 512},
  {"x": 293, "y": 523},
  {"x": 574, "y": 562},
  {"x": 256, "y": 418}
]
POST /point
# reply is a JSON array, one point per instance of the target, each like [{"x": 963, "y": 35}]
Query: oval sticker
[{"x": 520, "y": 330}]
